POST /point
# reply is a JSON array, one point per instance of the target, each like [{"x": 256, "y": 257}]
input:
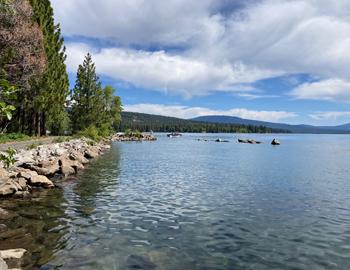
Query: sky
[{"x": 273, "y": 60}]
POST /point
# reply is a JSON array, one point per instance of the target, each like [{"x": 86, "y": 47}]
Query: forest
[
  {"x": 148, "y": 122},
  {"x": 35, "y": 98}
]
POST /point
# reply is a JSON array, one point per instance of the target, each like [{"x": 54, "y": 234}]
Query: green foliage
[
  {"x": 32, "y": 145},
  {"x": 90, "y": 132},
  {"x": 128, "y": 132},
  {"x": 92, "y": 104},
  {"x": 52, "y": 88},
  {"x": 5, "y": 6},
  {"x": 4, "y": 138},
  {"x": 58, "y": 123},
  {"x": 105, "y": 130},
  {"x": 132, "y": 133},
  {"x": 7, "y": 94},
  {"x": 8, "y": 158}
]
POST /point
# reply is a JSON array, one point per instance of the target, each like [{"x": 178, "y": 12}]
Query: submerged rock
[
  {"x": 221, "y": 140},
  {"x": 250, "y": 141},
  {"x": 139, "y": 262},
  {"x": 4, "y": 214}
]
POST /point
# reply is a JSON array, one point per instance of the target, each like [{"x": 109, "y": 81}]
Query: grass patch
[
  {"x": 13, "y": 137},
  {"x": 34, "y": 145}
]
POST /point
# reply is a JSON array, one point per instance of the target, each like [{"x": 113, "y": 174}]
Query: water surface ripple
[{"x": 188, "y": 204}]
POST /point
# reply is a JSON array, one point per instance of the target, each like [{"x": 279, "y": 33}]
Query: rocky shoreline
[
  {"x": 39, "y": 167},
  {"x": 122, "y": 137}
]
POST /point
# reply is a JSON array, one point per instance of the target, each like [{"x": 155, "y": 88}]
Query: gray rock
[
  {"x": 3, "y": 265},
  {"x": 26, "y": 174},
  {"x": 275, "y": 142},
  {"x": 75, "y": 155},
  {"x": 13, "y": 257},
  {"x": 41, "y": 181},
  {"x": 8, "y": 188},
  {"x": 91, "y": 153}
]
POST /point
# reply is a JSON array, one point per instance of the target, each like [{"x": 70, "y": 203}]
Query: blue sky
[{"x": 273, "y": 60}]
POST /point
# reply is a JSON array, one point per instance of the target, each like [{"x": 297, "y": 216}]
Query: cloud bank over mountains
[{"x": 193, "y": 48}]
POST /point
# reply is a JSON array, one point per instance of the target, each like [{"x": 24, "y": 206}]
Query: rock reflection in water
[
  {"x": 39, "y": 226},
  {"x": 44, "y": 224}
]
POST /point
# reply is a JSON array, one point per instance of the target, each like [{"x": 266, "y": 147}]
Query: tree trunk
[
  {"x": 38, "y": 130},
  {"x": 43, "y": 124}
]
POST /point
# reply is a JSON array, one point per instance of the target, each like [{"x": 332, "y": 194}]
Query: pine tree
[
  {"x": 86, "y": 95},
  {"x": 92, "y": 105},
  {"x": 52, "y": 89}
]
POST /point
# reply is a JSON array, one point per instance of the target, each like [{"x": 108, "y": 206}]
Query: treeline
[
  {"x": 147, "y": 122},
  {"x": 34, "y": 87}
]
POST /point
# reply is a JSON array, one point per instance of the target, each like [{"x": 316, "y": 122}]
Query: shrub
[
  {"x": 91, "y": 133},
  {"x": 8, "y": 158},
  {"x": 32, "y": 146},
  {"x": 104, "y": 131},
  {"x": 128, "y": 132},
  {"x": 13, "y": 137}
]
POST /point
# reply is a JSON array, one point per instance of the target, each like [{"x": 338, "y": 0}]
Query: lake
[{"x": 181, "y": 203}]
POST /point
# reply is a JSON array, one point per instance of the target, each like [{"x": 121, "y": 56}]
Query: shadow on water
[{"x": 44, "y": 224}]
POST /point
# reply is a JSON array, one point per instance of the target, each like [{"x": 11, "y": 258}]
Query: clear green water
[{"x": 188, "y": 204}]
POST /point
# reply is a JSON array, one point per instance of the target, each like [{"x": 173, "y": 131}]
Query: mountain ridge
[{"x": 302, "y": 128}]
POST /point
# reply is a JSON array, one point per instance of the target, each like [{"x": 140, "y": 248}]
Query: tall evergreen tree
[
  {"x": 86, "y": 95},
  {"x": 92, "y": 105},
  {"x": 52, "y": 88}
]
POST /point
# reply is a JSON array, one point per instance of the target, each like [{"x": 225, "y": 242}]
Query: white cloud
[
  {"x": 165, "y": 72},
  {"x": 263, "y": 39},
  {"x": 330, "y": 115},
  {"x": 331, "y": 90},
  {"x": 191, "y": 112}
]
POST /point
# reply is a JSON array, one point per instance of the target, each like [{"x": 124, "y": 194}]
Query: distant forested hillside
[
  {"x": 343, "y": 129},
  {"x": 147, "y": 122}
]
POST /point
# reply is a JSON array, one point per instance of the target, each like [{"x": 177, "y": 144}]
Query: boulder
[
  {"x": 4, "y": 174},
  {"x": 3, "y": 265},
  {"x": 275, "y": 142},
  {"x": 91, "y": 153},
  {"x": 75, "y": 155},
  {"x": 21, "y": 183},
  {"x": 69, "y": 167},
  {"x": 8, "y": 188},
  {"x": 48, "y": 167},
  {"x": 253, "y": 142},
  {"x": 17, "y": 253},
  {"x": 41, "y": 181},
  {"x": 58, "y": 150},
  {"x": 67, "y": 170},
  {"x": 26, "y": 174},
  {"x": 24, "y": 157},
  {"x": 13, "y": 257}
]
